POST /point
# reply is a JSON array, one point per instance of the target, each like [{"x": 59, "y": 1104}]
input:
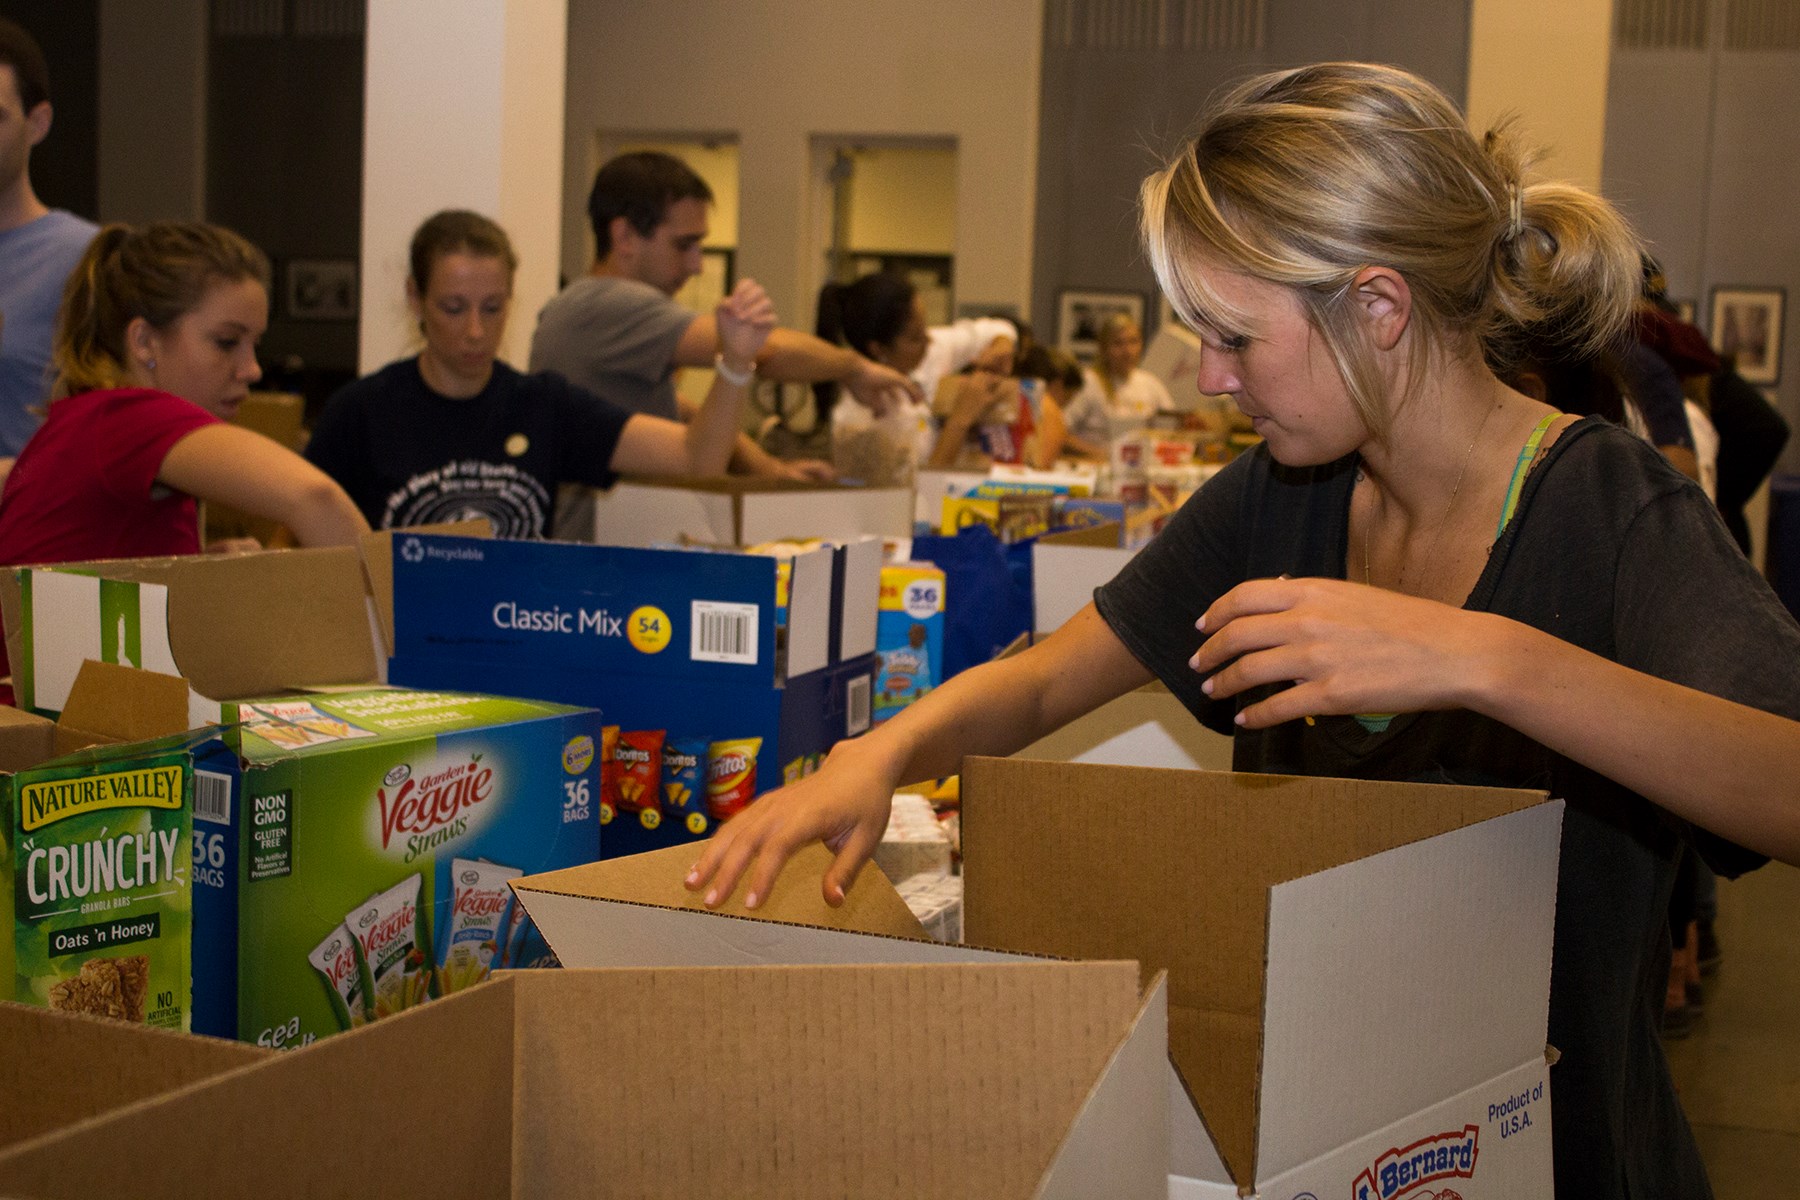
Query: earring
[{"x": 149, "y": 364}]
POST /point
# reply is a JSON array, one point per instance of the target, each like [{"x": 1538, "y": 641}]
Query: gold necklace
[{"x": 1438, "y": 533}]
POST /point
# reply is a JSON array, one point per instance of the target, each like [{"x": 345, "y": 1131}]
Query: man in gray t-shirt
[
  {"x": 617, "y": 331},
  {"x": 38, "y": 247},
  {"x": 615, "y": 336}
]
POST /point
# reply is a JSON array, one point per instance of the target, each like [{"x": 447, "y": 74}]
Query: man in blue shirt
[{"x": 38, "y": 247}]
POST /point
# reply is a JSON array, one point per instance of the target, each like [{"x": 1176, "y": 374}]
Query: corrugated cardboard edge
[
  {"x": 98, "y": 1042},
  {"x": 1249, "y": 1106},
  {"x": 654, "y": 879},
  {"x": 110, "y": 703},
  {"x": 73, "y": 1152},
  {"x": 1540, "y": 808},
  {"x": 1112, "y": 1134}
]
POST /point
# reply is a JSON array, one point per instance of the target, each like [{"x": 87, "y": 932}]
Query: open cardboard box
[
  {"x": 231, "y": 625},
  {"x": 1358, "y": 971},
  {"x": 938, "y": 1074},
  {"x": 1113, "y": 1140},
  {"x": 58, "y": 1069},
  {"x": 739, "y": 511}
]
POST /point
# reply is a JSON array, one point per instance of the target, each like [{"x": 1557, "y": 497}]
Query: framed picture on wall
[
  {"x": 1746, "y": 326},
  {"x": 1079, "y": 315},
  {"x": 320, "y": 289}
]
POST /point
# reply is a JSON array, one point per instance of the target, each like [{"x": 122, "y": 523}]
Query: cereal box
[
  {"x": 359, "y": 846},
  {"x": 100, "y": 849},
  {"x": 909, "y": 636}
]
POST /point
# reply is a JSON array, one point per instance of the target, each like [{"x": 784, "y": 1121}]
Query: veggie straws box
[
  {"x": 353, "y": 851},
  {"x": 714, "y": 690}
]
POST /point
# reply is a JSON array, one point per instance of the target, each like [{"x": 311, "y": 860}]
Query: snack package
[
  {"x": 470, "y": 946},
  {"x": 525, "y": 946},
  {"x": 638, "y": 761},
  {"x": 909, "y": 635},
  {"x": 609, "y": 772},
  {"x": 346, "y": 977},
  {"x": 731, "y": 776},
  {"x": 99, "y": 908},
  {"x": 389, "y": 929},
  {"x": 684, "y": 783}
]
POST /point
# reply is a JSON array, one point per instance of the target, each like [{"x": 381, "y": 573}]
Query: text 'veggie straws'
[{"x": 399, "y": 822}]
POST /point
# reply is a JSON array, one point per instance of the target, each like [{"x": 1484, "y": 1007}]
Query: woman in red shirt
[{"x": 154, "y": 350}]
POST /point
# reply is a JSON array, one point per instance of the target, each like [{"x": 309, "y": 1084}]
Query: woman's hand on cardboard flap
[
  {"x": 744, "y": 320},
  {"x": 1346, "y": 648},
  {"x": 845, "y": 804}
]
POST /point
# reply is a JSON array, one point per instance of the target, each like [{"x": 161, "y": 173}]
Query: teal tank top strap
[{"x": 1523, "y": 468}]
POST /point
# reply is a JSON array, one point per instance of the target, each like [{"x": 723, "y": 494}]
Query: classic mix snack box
[
  {"x": 365, "y": 851},
  {"x": 98, "y": 852}
]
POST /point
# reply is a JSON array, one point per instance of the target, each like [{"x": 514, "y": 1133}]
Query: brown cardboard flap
[
  {"x": 335, "y": 1119},
  {"x": 871, "y": 905},
  {"x": 1216, "y": 1056},
  {"x": 794, "y": 1081},
  {"x": 58, "y": 1068},
  {"x": 378, "y": 565},
  {"x": 26, "y": 739},
  {"x": 110, "y": 703},
  {"x": 811, "y": 1081},
  {"x": 251, "y": 624},
  {"x": 1173, "y": 869}
]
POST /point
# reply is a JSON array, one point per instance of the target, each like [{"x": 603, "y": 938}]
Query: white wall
[
  {"x": 777, "y": 72},
  {"x": 463, "y": 110},
  {"x": 1546, "y": 62}
]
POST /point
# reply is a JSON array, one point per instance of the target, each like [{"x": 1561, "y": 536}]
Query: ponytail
[{"x": 157, "y": 272}]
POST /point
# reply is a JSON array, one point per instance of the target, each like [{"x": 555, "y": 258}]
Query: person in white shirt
[{"x": 1116, "y": 390}]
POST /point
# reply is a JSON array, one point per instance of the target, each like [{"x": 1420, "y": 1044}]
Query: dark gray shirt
[{"x": 1612, "y": 550}]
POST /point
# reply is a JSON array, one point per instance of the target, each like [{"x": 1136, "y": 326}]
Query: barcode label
[
  {"x": 724, "y": 633},
  {"x": 856, "y": 699},
  {"x": 212, "y": 797}
]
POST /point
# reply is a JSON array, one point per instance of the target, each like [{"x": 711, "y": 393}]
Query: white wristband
[{"x": 734, "y": 378}]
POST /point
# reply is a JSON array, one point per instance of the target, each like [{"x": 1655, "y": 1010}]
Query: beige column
[
  {"x": 1544, "y": 61},
  {"x": 463, "y": 109}
]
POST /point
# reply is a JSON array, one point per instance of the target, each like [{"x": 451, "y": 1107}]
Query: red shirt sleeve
[{"x": 134, "y": 430}]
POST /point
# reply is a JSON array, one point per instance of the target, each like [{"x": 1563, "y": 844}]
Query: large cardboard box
[
  {"x": 232, "y": 626},
  {"x": 960, "y": 1074},
  {"x": 739, "y": 511},
  {"x": 1358, "y": 972},
  {"x": 635, "y": 912},
  {"x": 386, "y": 823},
  {"x": 57, "y": 1069},
  {"x": 705, "y": 647}
]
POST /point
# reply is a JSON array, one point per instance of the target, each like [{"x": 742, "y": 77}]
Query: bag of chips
[{"x": 731, "y": 776}]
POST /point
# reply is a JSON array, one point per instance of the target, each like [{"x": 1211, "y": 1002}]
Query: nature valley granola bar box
[
  {"x": 99, "y": 855},
  {"x": 358, "y": 846}
]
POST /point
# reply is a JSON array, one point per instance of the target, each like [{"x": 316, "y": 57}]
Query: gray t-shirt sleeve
[{"x": 615, "y": 337}]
